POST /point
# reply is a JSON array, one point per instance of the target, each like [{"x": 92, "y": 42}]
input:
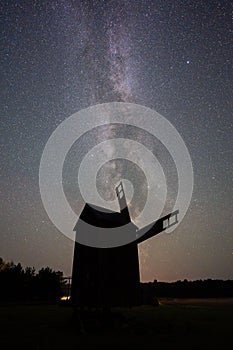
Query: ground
[{"x": 176, "y": 323}]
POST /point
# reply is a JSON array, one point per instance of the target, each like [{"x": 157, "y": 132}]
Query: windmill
[{"x": 105, "y": 277}]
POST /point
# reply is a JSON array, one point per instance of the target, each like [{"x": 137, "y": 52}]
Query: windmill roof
[{"x": 102, "y": 217}]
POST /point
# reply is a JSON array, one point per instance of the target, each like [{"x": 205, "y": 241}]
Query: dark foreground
[{"x": 189, "y": 324}]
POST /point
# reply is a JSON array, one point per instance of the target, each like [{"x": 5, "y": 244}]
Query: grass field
[{"x": 188, "y": 323}]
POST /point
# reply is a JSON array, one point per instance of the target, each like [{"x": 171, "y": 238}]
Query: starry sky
[{"x": 176, "y": 57}]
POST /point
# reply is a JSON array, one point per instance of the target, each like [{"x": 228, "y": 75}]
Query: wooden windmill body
[{"x": 105, "y": 277}]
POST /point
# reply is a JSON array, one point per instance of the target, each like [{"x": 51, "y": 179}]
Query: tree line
[
  {"x": 208, "y": 288},
  {"x": 18, "y": 283},
  {"x": 25, "y": 284}
]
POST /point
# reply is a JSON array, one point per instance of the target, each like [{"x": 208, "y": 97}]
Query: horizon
[{"x": 149, "y": 281}]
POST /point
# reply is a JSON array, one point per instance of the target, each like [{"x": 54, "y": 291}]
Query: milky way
[{"x": 119, "y": 59}]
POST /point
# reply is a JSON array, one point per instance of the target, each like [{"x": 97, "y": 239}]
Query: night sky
[{"x": 175, "y": 57}]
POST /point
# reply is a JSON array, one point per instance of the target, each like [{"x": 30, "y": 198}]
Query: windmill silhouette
[{"x": 106, "y": 277}]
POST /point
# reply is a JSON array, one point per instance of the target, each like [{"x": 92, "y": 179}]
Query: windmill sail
[
  {"x": 122, "y": 201},
  {"x": 158, "y": 226}
]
